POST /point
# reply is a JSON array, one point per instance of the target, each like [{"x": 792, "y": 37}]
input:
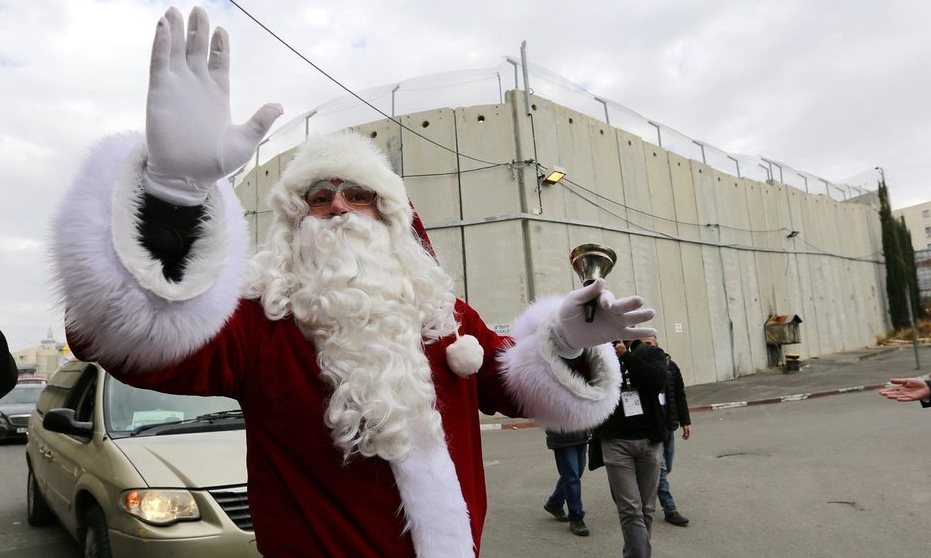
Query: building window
[
  {"x": 927, "y": 231},
  {"x": 925, "y": 213}
]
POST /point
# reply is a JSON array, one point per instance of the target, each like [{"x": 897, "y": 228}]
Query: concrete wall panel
[
  {"x": 736, "y": 269},
  {"x": 706, "y": 181},
  {"x": 447, "y": 243},
  {"x": 486, "y": 132},
  {"x": 697, "y": 328},
  {"x": 750, "y": 278},
  {"x": 550, "y": 246},
  {"x": 642, "y": 248},
  {"x": 268, "y": 174},
  {"x": 497, "y": 282},
  {"x": 669, "y": 258},
  {"x": 431, "y": 171}
]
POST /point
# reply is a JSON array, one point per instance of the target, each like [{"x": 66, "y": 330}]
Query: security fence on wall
[
  {"x": 715, "y": 253},
  {"x": 488, "y": 85}
]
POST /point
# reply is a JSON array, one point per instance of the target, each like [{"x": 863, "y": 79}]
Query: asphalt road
[
  {"x": 845, "y": 475},
  {"x": 17, "y": 538},
  {"x": 839, "y": 476}
]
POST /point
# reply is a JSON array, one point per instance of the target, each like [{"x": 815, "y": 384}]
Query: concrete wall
[{"x": 709, "y": 251}]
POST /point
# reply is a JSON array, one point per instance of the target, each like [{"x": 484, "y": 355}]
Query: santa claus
[{"x": 357, "y": 369}]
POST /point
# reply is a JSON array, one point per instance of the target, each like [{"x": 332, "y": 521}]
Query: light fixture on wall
[
  {"x": 552, "y": 176},
  {"x": 792, "y": 234}
]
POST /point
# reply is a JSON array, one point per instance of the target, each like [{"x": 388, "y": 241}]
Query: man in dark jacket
[
  {"x": 569, "y": 451},
  {"x": 677, "y": 413},
  {"x": 8, "y": 372},
  {"x": 631, "y": 443}
]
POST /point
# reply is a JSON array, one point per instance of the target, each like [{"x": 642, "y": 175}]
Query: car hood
[
  {"x": 196, "y": 460},
  {"x": 17, "y": 408}
]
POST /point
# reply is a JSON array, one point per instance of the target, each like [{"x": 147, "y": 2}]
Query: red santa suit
[{"x": 199, "y": 336}]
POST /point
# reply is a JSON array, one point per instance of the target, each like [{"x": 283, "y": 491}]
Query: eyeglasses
[{"x": 321, "y": 193}]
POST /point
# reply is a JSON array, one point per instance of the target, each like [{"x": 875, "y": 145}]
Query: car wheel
[
  {"x": 92, "y": 535},
  {"x": 37, "y": 510}
]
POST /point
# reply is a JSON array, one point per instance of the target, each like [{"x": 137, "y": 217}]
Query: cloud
[{"x": 833, "y": 90}]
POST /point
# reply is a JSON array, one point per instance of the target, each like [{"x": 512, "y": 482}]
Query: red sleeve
[
  {"x": 217, "y": 368},
  {"x": 492, "y": 397}
]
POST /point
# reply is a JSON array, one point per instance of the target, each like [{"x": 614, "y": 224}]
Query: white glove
[
  {"x": 190, "y": 137},
  {"x": 614, "y": 319}
]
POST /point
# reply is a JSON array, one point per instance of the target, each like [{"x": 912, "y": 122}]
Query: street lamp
[{"x": 553, "y": 176}]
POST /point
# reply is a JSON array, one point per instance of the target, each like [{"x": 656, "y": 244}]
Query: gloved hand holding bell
[{"x": 590, "y": 262}]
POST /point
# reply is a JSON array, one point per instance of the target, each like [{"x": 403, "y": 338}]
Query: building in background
[
  {"x": 42, "y": 359},
  {"x": 918, "y": 220},
  {"x": 717, "y": 243},
  {"x": 923, "y": 269}
]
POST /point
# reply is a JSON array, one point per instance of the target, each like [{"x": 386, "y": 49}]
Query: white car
[{"x": 133, "y": 472}]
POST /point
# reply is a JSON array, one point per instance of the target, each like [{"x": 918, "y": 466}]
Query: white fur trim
[
  {"x": 434, "y": 508},
  {"x": 116, "y": 296},
  {"x": 544, "y": 385},
  {"x": 465, "y": 356}
]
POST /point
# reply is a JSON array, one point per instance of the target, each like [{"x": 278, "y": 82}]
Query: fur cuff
[
  {"x": 118, "y": 301},
  {"x": 543, "y": 384}
]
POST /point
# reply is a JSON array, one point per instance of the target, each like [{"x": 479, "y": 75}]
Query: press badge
[{"x": 631, "y": 402}]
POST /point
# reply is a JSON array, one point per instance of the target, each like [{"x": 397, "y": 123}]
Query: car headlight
[{"x": 160, "y": 507}]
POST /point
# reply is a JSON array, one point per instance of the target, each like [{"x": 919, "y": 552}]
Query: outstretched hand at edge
[{"x": 907, "y": 389}]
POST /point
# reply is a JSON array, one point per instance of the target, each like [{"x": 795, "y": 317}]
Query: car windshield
[
  {"x": 130, "y": 410},
  {"x": 23, "y": 394}
]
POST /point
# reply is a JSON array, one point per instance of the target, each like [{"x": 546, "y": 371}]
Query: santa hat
[{"x": 351, "y": 156}]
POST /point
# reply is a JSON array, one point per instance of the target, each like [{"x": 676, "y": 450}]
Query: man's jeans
[
  {"x": 570, "y": 462},
  {"x": 633, "y": 474},
  {"x": 665, "y": 497}
]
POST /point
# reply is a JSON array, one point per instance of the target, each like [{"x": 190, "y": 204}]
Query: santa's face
[{"x": 333, "y": 197}]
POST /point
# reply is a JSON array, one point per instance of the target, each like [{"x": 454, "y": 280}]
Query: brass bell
[{"x": 590, "y": 262}]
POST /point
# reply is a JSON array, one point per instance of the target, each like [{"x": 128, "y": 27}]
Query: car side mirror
[{"x": 63, "y": 422}]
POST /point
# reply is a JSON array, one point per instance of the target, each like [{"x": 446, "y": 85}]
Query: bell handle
[{"x": 591, "y": 305}]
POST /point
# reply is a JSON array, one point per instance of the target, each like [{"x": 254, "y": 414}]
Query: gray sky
[{"x": 833, "y": 87}]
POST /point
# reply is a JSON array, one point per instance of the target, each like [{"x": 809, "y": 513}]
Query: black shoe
[
  {"x": 577, "y": 527},
  {"x": 676, "y": 518},
  {"x": 558, "y": 513}
]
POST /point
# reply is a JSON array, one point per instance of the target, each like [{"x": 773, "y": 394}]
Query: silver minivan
[{"x": 135, "y": 472}]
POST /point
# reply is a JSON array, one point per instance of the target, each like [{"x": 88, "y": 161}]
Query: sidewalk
[{"x": 833, "y": 374}]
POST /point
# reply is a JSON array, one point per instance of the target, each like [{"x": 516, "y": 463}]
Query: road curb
[
  {"x": 718, "y": 406},
  {"x": 784, "y": 399}
]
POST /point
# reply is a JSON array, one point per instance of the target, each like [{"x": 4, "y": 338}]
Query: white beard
[{"x": 367, "y": 299}]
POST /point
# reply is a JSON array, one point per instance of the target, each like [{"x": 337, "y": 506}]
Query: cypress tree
[{"x": 892, "y": 252}]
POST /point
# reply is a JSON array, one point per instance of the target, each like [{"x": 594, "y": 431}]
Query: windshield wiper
[{"x": 229, "y": 414}]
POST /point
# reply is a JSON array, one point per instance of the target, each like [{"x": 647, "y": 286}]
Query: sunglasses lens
[
  {"x": 359, "y": 196},
  {"x": 320, "y": 196}
]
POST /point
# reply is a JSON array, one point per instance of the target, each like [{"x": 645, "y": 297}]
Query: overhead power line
[{"x": 353, "y": 93}]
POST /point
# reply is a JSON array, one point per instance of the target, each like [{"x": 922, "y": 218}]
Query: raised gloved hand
[
  {"x": 614, "y": 319},
  {"x": 190, "y": 138}
]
